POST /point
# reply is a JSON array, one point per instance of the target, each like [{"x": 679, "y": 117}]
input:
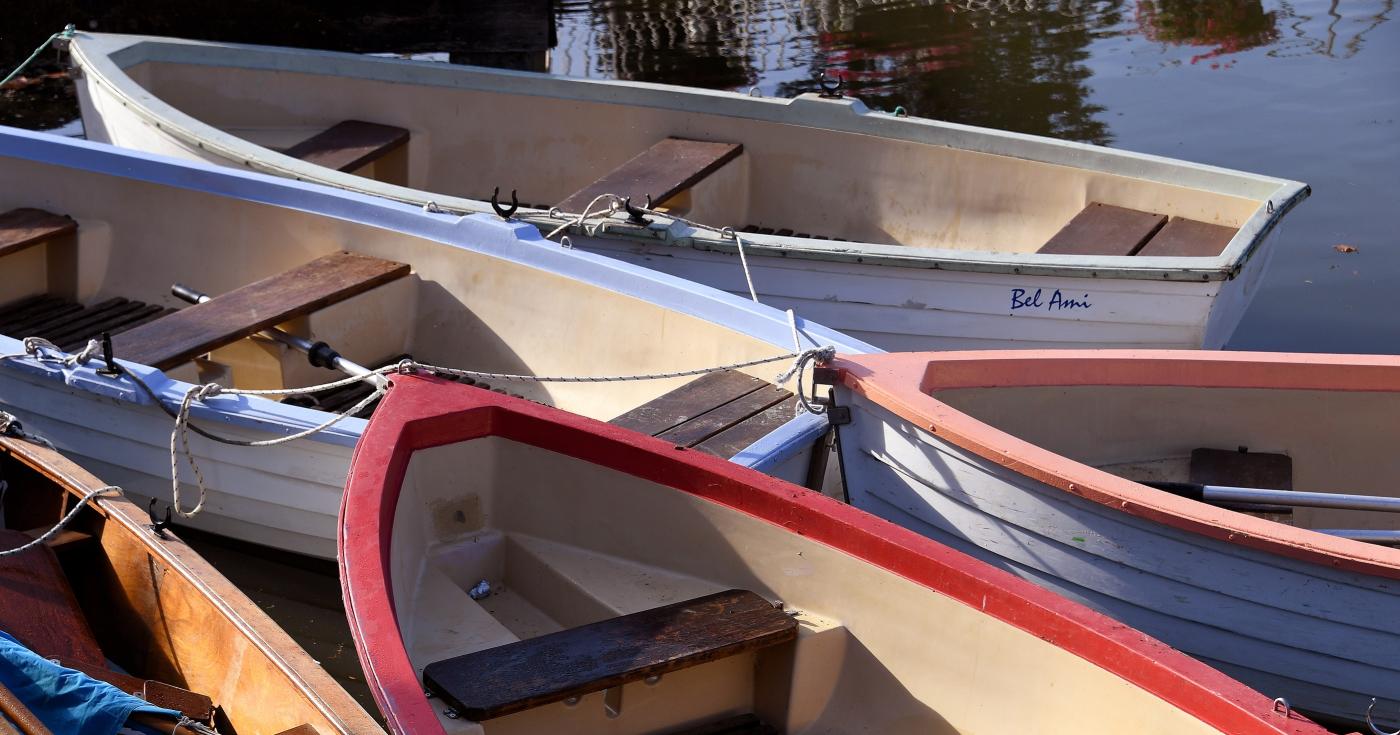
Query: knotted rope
[{"x": 41, "y": 350}]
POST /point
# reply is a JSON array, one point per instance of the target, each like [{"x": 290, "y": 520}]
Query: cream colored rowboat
[
  {"x": 375, "y": 279},
  {"x": 956, "y": 237},
  {"x": 519, "y": 561}
]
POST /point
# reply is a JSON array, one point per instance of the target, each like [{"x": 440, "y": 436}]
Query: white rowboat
[{"x": 906, "y": 233}]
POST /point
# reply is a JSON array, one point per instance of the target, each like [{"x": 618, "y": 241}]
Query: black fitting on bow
[
  {"x": 158, "y": 526},
  {"x": 831, "y": 92},
  {"x": 634, "y": 215},
  {"x": 503, "y": 212},
  {"x": 322, "y": 355},
  {"x": 111, "y": 369}
]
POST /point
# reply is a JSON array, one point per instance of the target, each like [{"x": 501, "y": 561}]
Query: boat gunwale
[
  {"x": 424, "y": 412},
  {"x": 109, "y": 54},
  {"x": 901, "y": 383},
  {"x": 289, "y": 657},
  {"x": 485, "y": 235}
]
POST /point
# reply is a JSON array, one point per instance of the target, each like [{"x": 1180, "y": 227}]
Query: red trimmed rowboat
[
  {"x": 1214, "y": 500},
  {"x": 537, "y": 571}
]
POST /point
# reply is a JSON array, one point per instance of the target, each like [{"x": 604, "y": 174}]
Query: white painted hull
[
  {"x": 916, "y": 309},
  {"x": 1324, "y": 639},
  {"x": 285, "y": 497},
  {"x": 483, "y": 294}
]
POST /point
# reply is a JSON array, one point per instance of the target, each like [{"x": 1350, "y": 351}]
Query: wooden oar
[
  {"x": 1226, "y": 494},
  {"x": 20, "y": 714},
  {"x": 319, "y": 353}
]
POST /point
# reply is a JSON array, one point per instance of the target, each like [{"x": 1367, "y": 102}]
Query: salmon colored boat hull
[
  {"x": 1031, "y": 461},
  {"x": 896, "y": 632}
]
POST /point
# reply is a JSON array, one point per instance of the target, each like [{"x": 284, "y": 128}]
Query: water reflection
[
  {"x": 1229, "y": 26},
  {"x": 1338, "y": 32}
]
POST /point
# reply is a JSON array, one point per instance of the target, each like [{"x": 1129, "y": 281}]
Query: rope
[
  {"x": 743, "y": 261},
  {"x": 578, "y": 221},
  {"x": 43, "y": 350},
  {"x": 10, "y": 426},
  {"x": 66, "y": 33},
  {"x": 49, "y": 534}
]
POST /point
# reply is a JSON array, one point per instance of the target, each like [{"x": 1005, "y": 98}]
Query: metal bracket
[
  {"x": 831, "y": 92},
  {"x": 158, "y": 526},
  {"x": 838, "y": 415},
  {"x": 612, "y": 702},
  {"x": 822, "y": 375},
  {"x": 112, "y": 369},
  {"x": 504, "y": 212},
  {"x": 634, "y": 215}
]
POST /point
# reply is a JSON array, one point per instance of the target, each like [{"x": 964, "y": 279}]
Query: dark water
[{"x": 1307, "y": 90}]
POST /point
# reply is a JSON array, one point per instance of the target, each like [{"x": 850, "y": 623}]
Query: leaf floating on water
[{"x": 1344, "y": 248}]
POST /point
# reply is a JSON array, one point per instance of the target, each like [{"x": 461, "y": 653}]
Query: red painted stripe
[{"x": 424, "y": 412}]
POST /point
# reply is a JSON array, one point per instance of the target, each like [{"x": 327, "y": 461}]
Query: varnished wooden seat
[
  {"x": 26, "y": 227},
  {"x": 188, "y": 333},
  {"x": 590, "y": 658},
  {"x": 661, "y": 172},
  {"x": 719, "y": 413},
  {"x": 350, "y": 145},
  {"x": 1103, "y": 229}
]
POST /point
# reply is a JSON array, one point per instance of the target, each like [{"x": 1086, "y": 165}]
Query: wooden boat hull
[
  {"x": 484, "y": 294},
  {"x": 1292, "y": 612},
  {"x": 163, "y": 612},
  {"x": 944, "y": 225},
  {"x": 571, "y": 522}
]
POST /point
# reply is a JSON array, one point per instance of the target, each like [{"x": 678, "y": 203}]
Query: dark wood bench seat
[
  {"x": 662, "y": 171},
  {"x": 350, "y": 145},
  {"x": 196, "y": 330},
  {"x": 590, "y": 658},
  {"x": 23, "y": 228},
  {"x": 1104, "y": 229},
  {"x": 719, "y": 413}
]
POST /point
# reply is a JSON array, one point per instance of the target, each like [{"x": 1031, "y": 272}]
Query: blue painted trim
[{"x": 511, "y": 241}]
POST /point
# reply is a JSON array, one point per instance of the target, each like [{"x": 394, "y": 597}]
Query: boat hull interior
[
  {"x": 158, "y": 611},
  {"x": 867, "y": 177},
  {"x": 563, "y": 539}
]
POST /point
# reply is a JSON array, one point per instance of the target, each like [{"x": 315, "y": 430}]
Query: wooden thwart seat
[
  {"x": 26, "y": 227},
  {"x": 188, "y": 333},
  {"x": 1183, "y": 237},
  {"x": 350, "y": 145},
  {"x": 719, "y": 413},
  {"x": 590, "y": 658},
  {"x": 662, "y": 171},
  {"x": 1103, "y": 229}
]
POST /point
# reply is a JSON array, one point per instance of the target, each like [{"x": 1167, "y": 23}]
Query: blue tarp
[{"x": 66, "y": 701}]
